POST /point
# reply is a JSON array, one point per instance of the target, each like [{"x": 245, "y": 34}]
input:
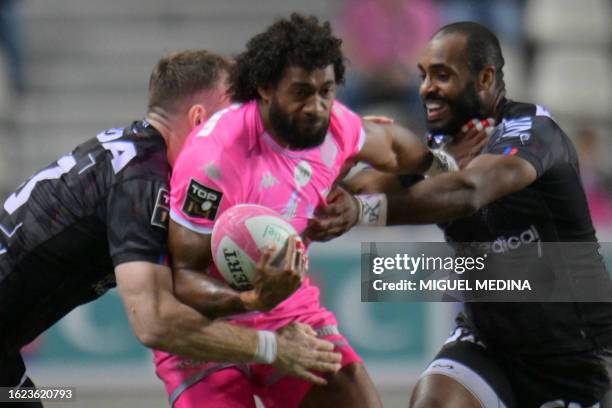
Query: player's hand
[
  {"x": 470, "y": 141},
  {"x": 300, "y": 351},
  {"x": 273, "y": 284},
  {"x": 339, "y": 215}
]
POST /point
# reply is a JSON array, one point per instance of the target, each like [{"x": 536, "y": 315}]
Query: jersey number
[{"x": 122, "y": 153}]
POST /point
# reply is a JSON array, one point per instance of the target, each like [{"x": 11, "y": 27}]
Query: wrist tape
[
  {"x": 372, "y": 209},
  {"x": 442, "y": 162},
  {"x": 267, "y": 347}
]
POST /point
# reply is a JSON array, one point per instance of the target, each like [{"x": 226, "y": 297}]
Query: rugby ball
[{"x": 239, "y": 237}]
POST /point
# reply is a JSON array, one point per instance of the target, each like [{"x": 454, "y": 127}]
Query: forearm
[
  {"x": 439, "y": 199},
  {"x": 394, "y": 149},
  {"x": 207, "y": 295},
  {"x": 186, "y": 332},
  {"x": 160, "y": 321},
  {"x": 412, "y": 155}
]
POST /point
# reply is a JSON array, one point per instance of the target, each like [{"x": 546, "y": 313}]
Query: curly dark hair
[{"x": 299, "y": 41}]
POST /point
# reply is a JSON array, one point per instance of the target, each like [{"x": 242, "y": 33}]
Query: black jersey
[
  {"x": 553, "y": 209},
  {"x": 65, "y": 229}
]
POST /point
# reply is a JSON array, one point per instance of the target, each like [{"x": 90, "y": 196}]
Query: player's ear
[
  {"x": 486, "y": 78},
  {"x": 265, "y": 93},
  {"x": 196, "y": 115}
]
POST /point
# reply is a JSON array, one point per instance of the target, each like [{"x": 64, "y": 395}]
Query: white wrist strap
[
  {"x": 442, "y": 162},
  {"x": 267, "y": 347},
  {"x": 372, "y": 209}
]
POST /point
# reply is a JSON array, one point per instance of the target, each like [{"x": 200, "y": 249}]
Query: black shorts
[{"x": 502, "y": 379}]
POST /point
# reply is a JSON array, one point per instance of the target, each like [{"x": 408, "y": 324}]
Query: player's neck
[
  {"x": 163, "y": 123},
  {"x": 497, "y": 104}
]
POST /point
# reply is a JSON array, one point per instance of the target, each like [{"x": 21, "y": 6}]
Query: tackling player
[
  {"x": 524, "y": 187},
  {"x": 283, "y": 145},
  {"x": 98, "y": 217}
]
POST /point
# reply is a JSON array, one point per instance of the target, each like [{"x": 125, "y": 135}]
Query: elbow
[
  {"x": 182, "y": 288},
  {"x": 390, "y": 164},
  {"x": 469, "y": 202},
  {"x": 470, "y": 207},
  {"x": 418, "y": 162},
  {"x": 154, "y": 339},
  {"x": 154, "y": 335},
  {"x": 152, "y": 322}
]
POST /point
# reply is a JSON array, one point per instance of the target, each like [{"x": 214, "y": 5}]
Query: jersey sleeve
[
  {"x": 347, "y": 125},
  {"x": 137, "y": 219},
  {"x": 202, "y": 181},
  {"x": 535, "y": 139}
]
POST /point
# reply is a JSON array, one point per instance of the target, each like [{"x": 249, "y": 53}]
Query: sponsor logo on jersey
[
  {"x": 267, "y": 181},
  {"x": 290, "y": 209},
  {"x": 503, "y": 244},
  {"x": 302, "y": 173},
  {"x": 161, "y": 211},
  {"x": 517, "y": 128},
  {"x": 213, "y": 170},
  {"x": 201, "y": 201}
]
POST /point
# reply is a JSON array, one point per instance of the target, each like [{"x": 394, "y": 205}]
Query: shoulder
[
  {"x": 526, "y": 121},
  {"x": 529, "y": 132},
  {"x": 342, "y": 117},
  {"x": 225, "y": 127},
  {"x": 219, "y": 146},
  {"x": 135, "y": 152},
  {"x": 346, "y": 127}
]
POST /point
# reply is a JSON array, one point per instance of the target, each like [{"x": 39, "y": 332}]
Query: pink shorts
[{"x": 192, "y": 383}]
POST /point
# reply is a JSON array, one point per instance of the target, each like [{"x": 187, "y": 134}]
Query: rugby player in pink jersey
[{"x": 282, "y": 145}]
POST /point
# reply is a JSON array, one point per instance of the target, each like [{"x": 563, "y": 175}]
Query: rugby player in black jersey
[
  {"x": 97, "y": 218},
  {"x": 524, "y": 187}
]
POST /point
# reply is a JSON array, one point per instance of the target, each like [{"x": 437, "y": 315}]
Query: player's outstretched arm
[
  {"x": 344, "y": 211},
  {"x": 454, "y": 195},
  {"x": 467, "y": 144},
  {"x": 370, "y": 181},
  {"x": 394, "y": 149},
  {"x": 160, "y": 321},
  {"x": 191, "y": 257},
  {"x": 437, "y": 199}
]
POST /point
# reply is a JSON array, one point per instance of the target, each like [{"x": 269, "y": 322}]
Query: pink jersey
[{"x": 231, "y": 159}]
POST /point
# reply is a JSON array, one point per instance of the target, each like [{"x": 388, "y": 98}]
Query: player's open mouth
[{"x": 435, "y": 110}]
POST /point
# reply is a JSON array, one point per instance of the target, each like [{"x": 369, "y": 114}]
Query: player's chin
[
  {"x": 310, "y": 140},
  {"x": 442, "y": 126},
  {"x": 435, "y": 128}
]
